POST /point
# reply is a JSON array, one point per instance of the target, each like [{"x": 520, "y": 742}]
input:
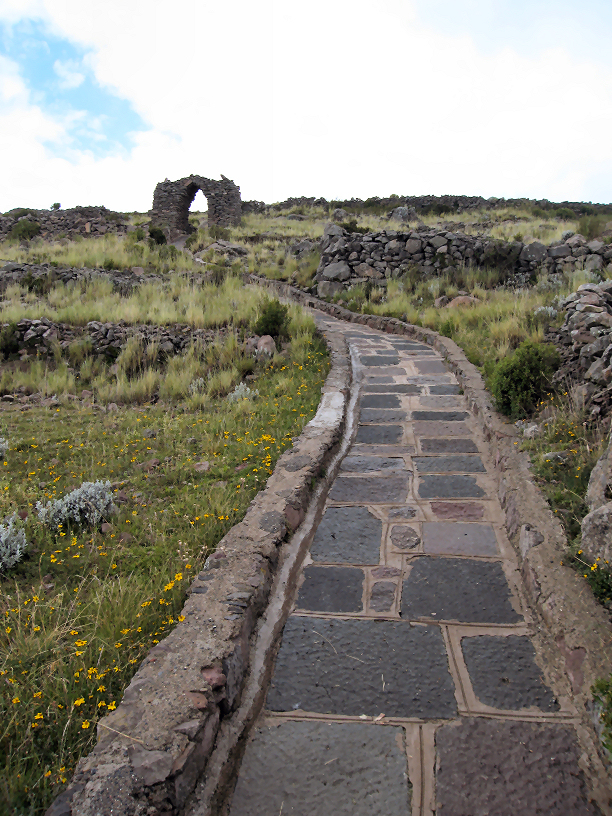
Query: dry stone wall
[
  {"x": 172, "y": 200},
  {"x": 351, "y": 258},
  {"x": 69, "y": 223}
]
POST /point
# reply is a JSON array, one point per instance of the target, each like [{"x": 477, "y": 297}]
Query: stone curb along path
[
  {"x": 153, "y": 748},
  {"x": 437, "y": 657}
]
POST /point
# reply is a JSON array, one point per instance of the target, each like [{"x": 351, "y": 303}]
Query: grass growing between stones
[{"x": 85, "y": 605}]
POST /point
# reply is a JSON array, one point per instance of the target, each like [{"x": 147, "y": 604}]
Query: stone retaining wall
[
  {"x": 154, "y": 747},
  {"x": 39, "y": 336},
  {"x": 348, "y": 259}
]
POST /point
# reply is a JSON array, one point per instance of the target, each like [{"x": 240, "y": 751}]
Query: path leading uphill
[{"x": 406, "y": 681}]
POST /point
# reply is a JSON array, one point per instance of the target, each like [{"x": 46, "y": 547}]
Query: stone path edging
[
  {"x": 154, "y": 747},
  {"x": 575, "y": 630}
]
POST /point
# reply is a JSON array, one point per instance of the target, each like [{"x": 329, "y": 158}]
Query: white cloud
[
  {"x": 68, "y": 74},
  {"x": 326, "y": 98}
]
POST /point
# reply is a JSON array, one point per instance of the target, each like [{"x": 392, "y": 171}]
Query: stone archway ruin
[{"x": 172, "y": 200}]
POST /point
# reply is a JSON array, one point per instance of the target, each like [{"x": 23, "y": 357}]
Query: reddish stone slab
[{"x": 468, "y": 511}]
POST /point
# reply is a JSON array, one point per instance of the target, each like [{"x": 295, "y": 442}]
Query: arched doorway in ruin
[{"x": 172, "y": 200}]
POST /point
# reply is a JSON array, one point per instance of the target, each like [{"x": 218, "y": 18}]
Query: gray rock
[
  {"x": 337, "y": 271},
  {"x": 340, "y": 215},
  {"x": 593, "y": 263},
  {"x": 533, "y": 252},
  {"x": 600, "y": 480},
  {"x": 597, "y": 534},
  {"x": 560, "y": 251},
  {"x": 413, "y": 245},
  {"x": 329, "y": 288}
]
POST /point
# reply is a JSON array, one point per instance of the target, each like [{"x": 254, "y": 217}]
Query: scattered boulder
[
  {"x": 266, "y": 346},
  {"x": 462, "y": 300}
]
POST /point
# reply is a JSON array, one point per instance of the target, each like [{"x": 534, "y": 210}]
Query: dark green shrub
[
  {"x": 602, "y": 693},
  {"x": 19, "y": 212},
  {"x": 217, "y": 232},
  {"x": 56, "y": 206},
  {"x": 521, "y": 380},
  {"x": 352, "y": 226},
  {"x": 191, "y": 239},
  {"x": 139, "y": 233},
  {"x": 24, "y": 230},
  {"x": 8, "y": 340},
  {"x": 157, "y": 235},
  {"x": 109, "y": 264},
  {"x": 592, "y": 225},
  {"x": 273, "y": 319},
  {"x": 565, "y": 214}
]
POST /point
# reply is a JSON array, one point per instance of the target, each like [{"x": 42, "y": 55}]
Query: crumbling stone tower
[{"x": 172, "y": 200}]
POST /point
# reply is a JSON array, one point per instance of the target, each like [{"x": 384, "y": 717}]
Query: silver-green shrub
[
  {"x": 198, "y": 386},
  {"x": 12, "y": 543},
  {"x": 242, "y": 391},
  {"x": 4, "y": 447},
  {"x": 87, "y": 505}
]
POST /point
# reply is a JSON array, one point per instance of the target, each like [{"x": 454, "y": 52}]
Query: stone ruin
[{"x": 172, "y": 200}]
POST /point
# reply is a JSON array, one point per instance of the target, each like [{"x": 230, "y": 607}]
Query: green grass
[{"x": 85, "y": 606}]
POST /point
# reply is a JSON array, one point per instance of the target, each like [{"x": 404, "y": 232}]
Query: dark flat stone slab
[
  {"x": 367, "y": 464},
  {"x": 457, "y": 589},
  {"x": 444, "y": 389},
  {"x": 407, "y": 345},
  {"x": 448, "y": 446},
  {"x": 383, "y": 450},
  {"x": 505, "y": 768},
  {"x": 449, "y": 487},
  {"x": 375, "y": 378},
  {"x": 440, "y": 428},
  {"x": 379, "y": 434},
  {"x": 449, "y": 464},
  {"x": 379, "y": 360},
  {"x": 331, "y": 589},
  {"x": 440, "y": 416},
  {"x": 382, "y": 596},
  {"x": 393, "y": 388},
  {"x": 380, "y": 401},
  {"x": 371, "y": 489},
  {"x": 440, "y": 538},
  {"x": 422, "y": 379},
  {"x": 380, "y": 415},
  {"x": 338, "y": 666},
  {"x": 318, "y": 769},
  {"x": 504, "y": 673},
  {"x": 349, "y": 535},
  {"x": 431, "y": 367},
  {"x": 467, "y": 511},
  {"x": 438, "y": 403}
]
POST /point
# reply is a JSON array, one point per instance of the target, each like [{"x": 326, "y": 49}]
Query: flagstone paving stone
[
  {"x": 381, "y": 415},
  {"x": 380, "y": 401},
  {"x": 344, "y": 769},
  {"x": 379, "y": 434},
  {"x": 349, "y": 535},
  {"x": 371, "y": 489},
  {"x": 441, "y": 538},
  {"x": 356, "y": 667},
  {"x": 448, "y": 446},
  {"x": 444, "y": 389},
  {"x": 447, "y": 487},
  {"x": 467, "y": 511},
  {"x": 504, "y": 673},
  {"x": 457, "y": 589},
  {"x": 392, "y": 388},
  {"x": 429, "y": 428},
  {"x": 365, "y": 464},
  {"x": 331, "y": 589},
  {"x": 509, "y": 768},
  {"x": 440, "y": 416},
  {"x": 449, "y": 464}
]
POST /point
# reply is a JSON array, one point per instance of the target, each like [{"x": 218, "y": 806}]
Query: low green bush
[
  {"x": 217, "y": 232},
  {"x": 157, "y": 235},
  {"x": 272, "y": 320},
  {"x": 8, "y": 340},
  {"x": 24, "y": 230},
  {"x": 591, "y": 226},
  {"x": 521, "y": 380}
]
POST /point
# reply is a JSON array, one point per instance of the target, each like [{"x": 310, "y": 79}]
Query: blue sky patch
[{"x": 62, "y": 84}]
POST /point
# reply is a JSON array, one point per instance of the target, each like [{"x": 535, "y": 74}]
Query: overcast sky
[{"x": 101, "y": 100}]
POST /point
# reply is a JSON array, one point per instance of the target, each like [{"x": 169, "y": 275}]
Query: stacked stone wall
[
  {"x": 348, "y": 259},
  {"x": 69, "y": 223}
]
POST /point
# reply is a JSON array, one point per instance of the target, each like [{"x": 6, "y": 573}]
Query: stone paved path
[{"x": 406, "y": 681}]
